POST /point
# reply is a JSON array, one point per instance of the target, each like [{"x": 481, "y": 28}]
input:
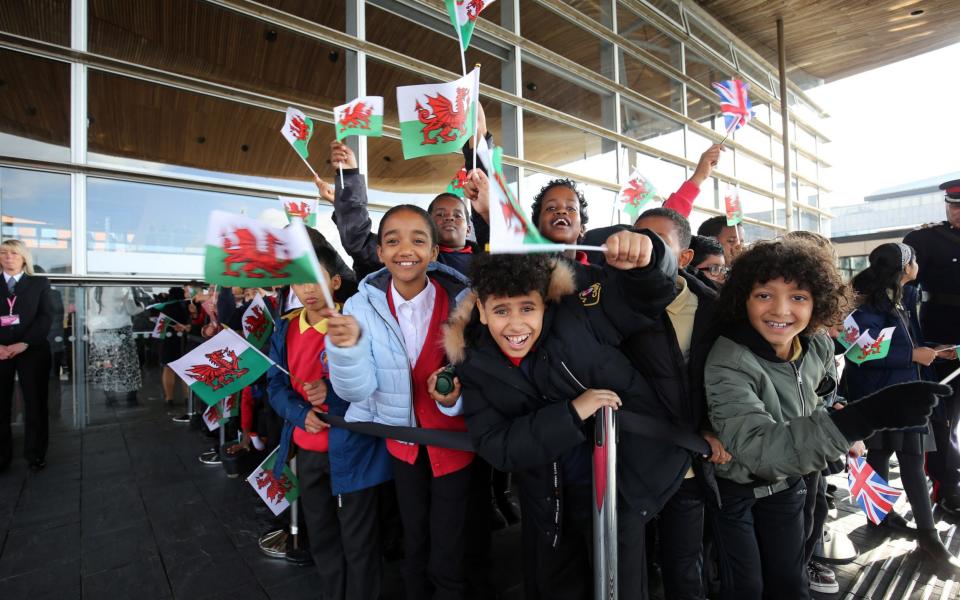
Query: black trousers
[
  {"x": 32, "y": 367},
  {"x": 913, "y": 479},
  {"x": 761, "y": 544},
  {"x": 433, "y": 511},
  {"x": 343, "y": 532},
  {"x": 943, "y": 465},
  {"x": 563, "y": 571},
  {"x": 680, "y": 524},
  {"x": 815, "y": 510}
]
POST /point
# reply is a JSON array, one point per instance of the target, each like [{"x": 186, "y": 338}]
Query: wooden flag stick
[{"x": 476, "y": 118}]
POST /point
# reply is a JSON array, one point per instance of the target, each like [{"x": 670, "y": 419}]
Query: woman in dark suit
[{"x": 25, "y": 319}]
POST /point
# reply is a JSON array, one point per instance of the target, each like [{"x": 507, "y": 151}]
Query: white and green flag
[
  {"x": 851, "y": 332},
  {"x": 464, "y": 15},
  {"x": 636, "y": 194},
  {"x": 223, "y": 365},
  {"x": 298, "y": 129},
  {"x": 305, "y": 210},
  {"x": 162, "y": 329},
  {"x": 248, "y": 253},
  {"x": 511, "y": 231},
  {"x": 277, "y": 493},
  {"x": 257, "y": 322},
  {"x": 437, "y": 118},
  {"x": 362, "y": 116},
  {"x": 867, "y": 348}
]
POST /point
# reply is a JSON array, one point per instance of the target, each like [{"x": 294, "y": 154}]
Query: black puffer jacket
[{"x": 524, "y": 421}]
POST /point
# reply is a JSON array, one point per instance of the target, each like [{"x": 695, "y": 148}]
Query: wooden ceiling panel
[
  {"x": 35, "y": 98},
  {"x": 831, "y": 39}
]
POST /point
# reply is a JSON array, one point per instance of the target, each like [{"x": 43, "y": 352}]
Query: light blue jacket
[{"x": 374, "y": 375}]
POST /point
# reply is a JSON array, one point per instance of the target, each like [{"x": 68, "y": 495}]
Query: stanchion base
[
  {"x": 835, "y": 548},
  {"x": 297, "y": 555},
  {"x": 210, "y": 457},
  {"x": 274, "y": 543}
]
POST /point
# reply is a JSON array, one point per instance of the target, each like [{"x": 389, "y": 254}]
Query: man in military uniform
[{"x": 938, "y": 254}]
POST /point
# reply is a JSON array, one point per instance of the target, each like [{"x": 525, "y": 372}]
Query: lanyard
[{"x": 10, "y": 303}]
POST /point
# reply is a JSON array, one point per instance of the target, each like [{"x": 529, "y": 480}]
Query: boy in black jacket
[{"x": 536, "y": 361}]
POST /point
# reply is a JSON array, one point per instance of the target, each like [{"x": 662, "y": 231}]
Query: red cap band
[{"x": 953, "y": 190}]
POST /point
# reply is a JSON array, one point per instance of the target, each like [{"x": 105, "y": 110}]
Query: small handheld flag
[
  {"x": 257, "y": 322},
  {"x": 276, "y": 493},
  {"x": 361, "y": 116},
  {"x": 637, "y": 192},
  {"x": 211, "y": 417},
  {"x": 734, "y": 104},
  {"x": 463, "y": 15},
  {"x": 867, "y": 348},
  {"x": 298, "y": 129},
  {"x": 162, "y": 329},
  {"x": 223, "y": 365},
  {"x": 874, "y": 495},
  {"x": 456, "y": 185},
  {"x": 437, "y": 118},
  {"x": 731, "y": 203},
  {"x": 851, "y": 332},
  {"x": 305, "y": 210}
]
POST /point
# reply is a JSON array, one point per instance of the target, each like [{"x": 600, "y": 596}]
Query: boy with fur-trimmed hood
[{"x": 537, "y": 358}]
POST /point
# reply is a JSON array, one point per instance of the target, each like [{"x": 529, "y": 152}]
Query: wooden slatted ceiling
[
  {"x": 831, "y": 39},
  {"x": 33, "y": 98}
]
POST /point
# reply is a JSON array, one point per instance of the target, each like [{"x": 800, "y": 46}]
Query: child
[
  {"x": 882, "y": 303},
  {"x": 763, "y": 377},
  {"x": 338, "y": 469},
  {"x": 536, "y": 361},
  {"x": 385, "y": 353}
]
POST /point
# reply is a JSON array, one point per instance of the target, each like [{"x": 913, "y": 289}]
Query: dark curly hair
[
  {"x": 567, "y": 183},
  {"x": 510, "y": 275},
  {"x": 879, "y": 284},
  {"x": 795, "y": 260}
]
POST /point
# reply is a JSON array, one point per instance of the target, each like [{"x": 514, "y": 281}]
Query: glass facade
[{"x": 122, "y": 124}]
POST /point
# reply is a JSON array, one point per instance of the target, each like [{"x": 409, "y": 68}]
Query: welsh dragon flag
[
  {"x": 257, "y": 322},
  {"x": 247, "y": 253},
  {"x": 223, "y": 365},
  {"x": 464, "y": 15},
  {"x": 298, "y": 129},
  {"x": 636, "y": 194},
  {"x": 851, "y": 332},
  {"x": 456, "y": 184},
  {"x": 162, "y": 329},
  {"x": 211, "y": 417},
  {"x": 437, "y": 118},
  {"x": 731, "y": 202},
  {"x": 510, "y": 228},
  {"x": 219, "y": 413},
  {"x": 276, "y": 493},
  {"x": 363, "y": 116},
  {"x": 867, "y": 348},
  {"x": 305, "y": 210}
]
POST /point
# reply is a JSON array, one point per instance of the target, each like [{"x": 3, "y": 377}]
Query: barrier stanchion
[
  {"x": 605, "y": 509},
  {"x": 190, "y": 411}
]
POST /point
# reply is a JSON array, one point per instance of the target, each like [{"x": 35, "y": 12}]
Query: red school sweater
[{"x": 305, "y": 354}]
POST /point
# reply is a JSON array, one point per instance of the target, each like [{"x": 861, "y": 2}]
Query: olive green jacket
[{"x": 767, "y": 413}]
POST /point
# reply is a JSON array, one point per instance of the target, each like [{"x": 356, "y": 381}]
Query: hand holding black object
[{"x": 893, "y": 407}]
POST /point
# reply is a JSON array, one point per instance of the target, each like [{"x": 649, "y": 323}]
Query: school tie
[{"x": 11, "y": 284}]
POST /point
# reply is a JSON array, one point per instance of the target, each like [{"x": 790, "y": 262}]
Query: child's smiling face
[
  {"x": 560, "y": 220},
  {"x": 779, "y": 310},
  {"x": 514, "y": 322},
  {"x": 407, "y": 247}
]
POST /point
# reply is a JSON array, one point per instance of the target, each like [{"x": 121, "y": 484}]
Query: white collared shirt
[
  {"x": 414, "y": 318},
  {"x": 16, "y": 278}
]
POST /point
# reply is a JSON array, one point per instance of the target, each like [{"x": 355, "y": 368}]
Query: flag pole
[
  {"x": 951, "y": 376},
  {"x": 476, "y": 117},
  {"x": 308, "y": 166}
]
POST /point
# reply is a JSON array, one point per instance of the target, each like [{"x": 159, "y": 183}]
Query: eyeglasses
[{"x": 716, "y": 270}]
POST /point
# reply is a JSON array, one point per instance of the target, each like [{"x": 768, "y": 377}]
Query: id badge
[{"x": 9, "y": 320}]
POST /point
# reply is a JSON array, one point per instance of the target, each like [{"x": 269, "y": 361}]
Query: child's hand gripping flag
[
  {"x": 637, "y": 192},
  {"x": 866, "y": 348},
  {"x": 276, "y": 492},
  {"x": 247, "y": 253},
  {"x": 257, "y": 322},
  {"x": 437, "y": 118},
  {"x": 298, "y": 129},
  {"x": 869, "y": 490},
  {"x": 734, "y": 103},
  {"x": 305, "y": 210},
  {"x": 464, "y": 15},
  {"x": 223, "y": 365}
]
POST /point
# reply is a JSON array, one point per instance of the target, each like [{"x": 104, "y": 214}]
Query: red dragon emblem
[
  {"x": 299, "y": 129},
  {"x": 460, "y": 180},
  {"x": 212, "y": 415},
  {"x": 871, "y": 349},
  {"x": 256, "y": 323},
  {"x": 244, "y": 249},
  {"x": 448, "y": 120},
  {"x": 733, "y": 205},
  {"x": 355, "y": 117},
  {"x": 473, "y": 7},
  {"x": 298, "y": 209},
  {"x": 851, "y": 335},
  {"x": 225, "y": 369},
  {"x": 634, "y": 192},
  {"x": 276, "y": 490},
  {"x": 510, "y": 215}
]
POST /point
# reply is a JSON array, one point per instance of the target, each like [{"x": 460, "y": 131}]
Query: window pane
[
  {"x": 35, "y": 208},
  {"x": 703, "y": 70},
  {"x": 639, "y": 31},
  {"x": 34, "y": 107},
  {"x": 331, "y": 13},
  {"x": 550, "y": 30},
  {"x": 650, "y": 128},
  {"x": 567, "y": 148},
  {"x": 561, "y": 93},
  {"x": 47, "y": 20},
  {"x": 752, "y": 171},
  {"x": 754, "y": 205},
  {"x": 649, "y": 82},
  {"x": 753, "y": 70},
  {"x": 667, "y": 7},
  {"x": 715, "y": 41},
  {"x": 140, "y": 228},
  {"x": 666, "y": 176}
]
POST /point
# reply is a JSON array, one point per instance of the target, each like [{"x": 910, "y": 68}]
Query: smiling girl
[{"x": 764, "y": 377}]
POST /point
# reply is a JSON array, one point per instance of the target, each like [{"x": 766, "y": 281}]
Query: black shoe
[
  {"x": 37, "y": 465},
  {"x": 950, "y": 505},
  {"x": 933, "y": 550},
  {"x": 184, "y": 418},
  {"x": 894, "y": 524}
]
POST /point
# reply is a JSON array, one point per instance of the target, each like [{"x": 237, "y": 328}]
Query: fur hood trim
[{"x": 562, "y": 283}]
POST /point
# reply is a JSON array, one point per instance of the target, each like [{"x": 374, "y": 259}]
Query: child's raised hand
[
  {"x": 314, "y": 424},
  {"x": 477, "y": 190},
  {"x": 447, "y": 400},
  {"x": 628, "y": 250},
  {"x": 589, "y": 402},
  {"x": 343, "y": 330},
  {"x": 341, "y": 156},
  {"x": 326, "y": 190},
  {"x": 316, "y": 392}
]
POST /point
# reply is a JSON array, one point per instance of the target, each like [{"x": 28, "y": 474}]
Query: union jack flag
[
  {"x": 870, "y": 491},
  {"x": 734, "y": 103}
]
